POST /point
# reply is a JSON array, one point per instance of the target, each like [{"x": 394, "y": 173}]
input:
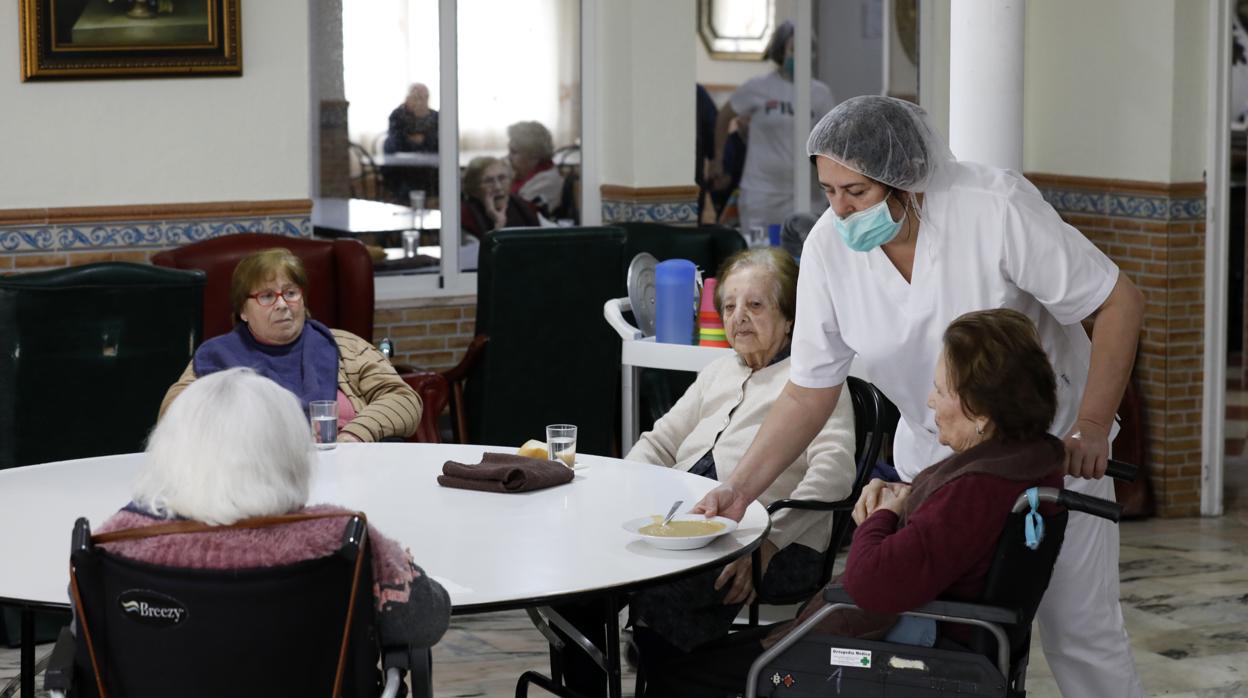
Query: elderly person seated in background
[
  {"x": 530, "y": 149},
  {"x": 235, "y": 446},
  {"x": 994, "y": 396},
  {"x": 413, "y": 125},
  {"x": 704, "y": 433},
  {"x": 488, "y": 203},
  {"x": 275, "y": 336}
]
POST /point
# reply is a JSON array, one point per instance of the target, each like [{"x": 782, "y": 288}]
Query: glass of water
[
  {"x": 561, "y": 443},
  {"x": 417, "y": 199},
  {"x": 324, "y": 416},
  {"x": 411, "y": 243}
]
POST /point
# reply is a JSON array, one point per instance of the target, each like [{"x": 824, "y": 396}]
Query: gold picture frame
[{"x": 88, "y": 39}]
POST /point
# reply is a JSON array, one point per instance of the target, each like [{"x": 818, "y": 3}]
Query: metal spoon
[{"x": 671, "y": 512}]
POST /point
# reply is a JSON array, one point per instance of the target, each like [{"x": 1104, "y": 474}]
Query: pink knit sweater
[{"x": 413, "y": 609}]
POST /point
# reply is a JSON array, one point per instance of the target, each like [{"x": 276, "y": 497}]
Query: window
[{"x": 486, "y": 64}]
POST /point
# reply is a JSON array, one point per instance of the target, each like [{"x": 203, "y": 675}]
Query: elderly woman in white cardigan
[{"x": 709, "y": 429}]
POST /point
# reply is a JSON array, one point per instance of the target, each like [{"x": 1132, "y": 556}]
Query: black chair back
[
  {"x": 86, "y": 355},
  {"x": 875, "y": 422},
  {"x": 1017, "y": 580},
  {"x": 164, "y": 631},
  {"x": 551, "y": 357}
]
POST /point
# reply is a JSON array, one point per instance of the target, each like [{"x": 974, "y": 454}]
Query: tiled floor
[{"x": 1184, "y": 593}]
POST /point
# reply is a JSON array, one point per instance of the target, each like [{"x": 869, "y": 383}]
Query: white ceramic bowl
[{"x": 679, "y": 543}]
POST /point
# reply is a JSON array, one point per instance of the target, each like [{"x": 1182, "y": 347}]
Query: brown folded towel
[{"x": 504, "y": 472}]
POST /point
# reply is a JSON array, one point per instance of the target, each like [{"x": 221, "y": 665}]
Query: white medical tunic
[{"x": 987, "y": 239}]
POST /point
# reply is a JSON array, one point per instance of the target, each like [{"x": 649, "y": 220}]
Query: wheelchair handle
[
  {"x": 1121, "y": 471},
  {"x": 1095, "y": 506},
  {"x": 1073, "y": 501}
]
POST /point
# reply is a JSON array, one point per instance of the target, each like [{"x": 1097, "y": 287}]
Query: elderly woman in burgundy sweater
[
  {"x": 994, "y": 395},
  {"x": 236, "y": 445}
]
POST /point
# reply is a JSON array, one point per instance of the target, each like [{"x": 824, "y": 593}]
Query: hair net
[{"x": 889, "y": 140}]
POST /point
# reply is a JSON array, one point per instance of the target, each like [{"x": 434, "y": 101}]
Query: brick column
[{"x": 1155, "y": 234}]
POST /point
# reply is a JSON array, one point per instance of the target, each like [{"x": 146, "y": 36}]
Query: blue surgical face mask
[{"x": 868, "y": 229}]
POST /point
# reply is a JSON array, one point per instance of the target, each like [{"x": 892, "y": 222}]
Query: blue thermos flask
[{"x": 673, "y": 301}]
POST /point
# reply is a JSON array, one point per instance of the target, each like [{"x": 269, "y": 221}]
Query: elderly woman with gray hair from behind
[{"x": 234, "y": 446}]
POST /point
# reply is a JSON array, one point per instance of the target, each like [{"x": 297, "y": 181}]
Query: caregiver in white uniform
[{"x": 912, "y": 240}]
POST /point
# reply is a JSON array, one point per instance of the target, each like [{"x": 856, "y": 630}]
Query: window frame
[{"x": 450, "y": 280}]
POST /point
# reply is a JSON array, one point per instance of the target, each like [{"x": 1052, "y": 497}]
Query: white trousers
[{"x": 1080, "y": 618}]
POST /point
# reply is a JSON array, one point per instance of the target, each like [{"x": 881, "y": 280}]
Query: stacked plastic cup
[{"x": 710, "y": 326}]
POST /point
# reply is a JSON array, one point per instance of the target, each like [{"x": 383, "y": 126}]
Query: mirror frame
[{"x": 723, "y": 47}]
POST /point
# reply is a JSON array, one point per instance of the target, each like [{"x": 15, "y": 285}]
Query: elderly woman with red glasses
[{"x": 275, "y": 336}]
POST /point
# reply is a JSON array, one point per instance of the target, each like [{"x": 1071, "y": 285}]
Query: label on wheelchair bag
[
  {"x": 151, "y": 608},
  {"x": 848, "y": 657}
]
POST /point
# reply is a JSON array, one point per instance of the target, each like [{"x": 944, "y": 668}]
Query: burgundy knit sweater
[{"x": 945, "y": 548}]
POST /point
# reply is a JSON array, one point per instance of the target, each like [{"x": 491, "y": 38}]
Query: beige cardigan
[
  {"x": 724, "y": 408},
  {"x": 384, "y": 404}
]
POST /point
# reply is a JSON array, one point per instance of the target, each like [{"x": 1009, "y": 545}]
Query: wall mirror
[{"x": 736, "y": 29}]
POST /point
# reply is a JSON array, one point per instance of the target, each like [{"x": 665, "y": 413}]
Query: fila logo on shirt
[
  {"x": 785, "y": 108},
  {"x": 151, "y": 608}
]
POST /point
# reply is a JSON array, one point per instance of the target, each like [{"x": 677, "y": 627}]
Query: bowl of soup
[{"x": 683, "y": 532}]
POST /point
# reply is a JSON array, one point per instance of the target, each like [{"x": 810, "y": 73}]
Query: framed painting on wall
[{"x": 75, "y": 39}]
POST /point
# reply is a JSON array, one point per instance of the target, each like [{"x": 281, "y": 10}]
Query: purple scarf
[{"x": 307, "y": 367}]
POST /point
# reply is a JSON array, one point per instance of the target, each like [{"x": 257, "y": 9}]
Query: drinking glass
[
  {"x": 324, "y": 417},
  {"x": 411, "y": 241},
  {"x": 561, "y": 443},
  {"x": 417, "y": 199}
]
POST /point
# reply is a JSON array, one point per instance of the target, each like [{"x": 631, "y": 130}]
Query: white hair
[{"x": 233, "y": 445}]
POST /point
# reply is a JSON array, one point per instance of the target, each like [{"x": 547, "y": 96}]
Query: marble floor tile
[{"x": 1184, "y": 598}]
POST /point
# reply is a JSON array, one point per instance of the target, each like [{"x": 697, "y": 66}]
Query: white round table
[{"x": 491, "y": 551}]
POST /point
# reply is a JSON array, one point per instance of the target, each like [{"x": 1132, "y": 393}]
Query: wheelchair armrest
[
  {"x": 954, "y": 610},
  {"x": 60, "y": 673},
  {"x": 960, "y": 610},
  {"x": 811, "y": 505}
]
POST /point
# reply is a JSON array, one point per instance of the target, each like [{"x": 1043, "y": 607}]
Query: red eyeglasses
[{"x": 267, "y": 298}]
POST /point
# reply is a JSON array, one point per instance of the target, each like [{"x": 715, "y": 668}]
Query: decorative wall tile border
[
  {"x": 85, "y": 237},
  {"x": 1184, "y": 201},
  {"x": 679, "y": 213},
  {"x": 146, "y": 227},
  {"x": 670, "y": 205}
]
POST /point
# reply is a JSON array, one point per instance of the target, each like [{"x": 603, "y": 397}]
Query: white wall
[
  {"x": 1119, "y": 93},
  {"x": 849, "y": 47},
  {"x": 714, "y": 72},
  {"x": 1191, "y": 84},
  {"x": 646, "y": 92},
  {"x": 156, "y": 141}
]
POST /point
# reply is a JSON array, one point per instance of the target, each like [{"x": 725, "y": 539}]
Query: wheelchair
[
  {"x": 305, "y": 628},
  {"x": 992, "y": 665}
]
